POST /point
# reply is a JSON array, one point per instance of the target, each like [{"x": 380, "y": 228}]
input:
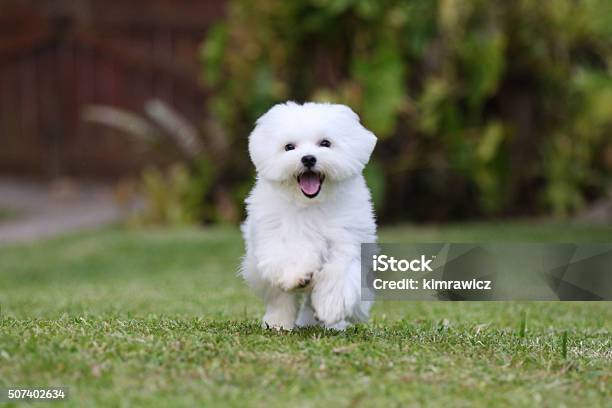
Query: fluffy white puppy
[{"x": 308, "y": 213}]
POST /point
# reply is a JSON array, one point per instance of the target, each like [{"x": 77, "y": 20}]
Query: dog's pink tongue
[{"x": 310, "y": 183}]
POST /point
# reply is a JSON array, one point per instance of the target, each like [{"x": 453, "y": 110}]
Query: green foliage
[
  {"x": 381, "y": 76},
  {"x": 9, "y": 214},
  {"x": 512, "y": 98},
  {"x": 375, "y": 177},
  {"x": 174, "y": 196}
]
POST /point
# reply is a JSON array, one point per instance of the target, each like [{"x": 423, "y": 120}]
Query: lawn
[{"x": 160, "y": 318}]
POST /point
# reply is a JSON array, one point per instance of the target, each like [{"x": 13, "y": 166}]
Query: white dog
[{"x": 308, "y": 213}]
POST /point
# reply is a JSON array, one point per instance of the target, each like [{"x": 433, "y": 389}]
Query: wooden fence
[{"x": 58, "y": 57}]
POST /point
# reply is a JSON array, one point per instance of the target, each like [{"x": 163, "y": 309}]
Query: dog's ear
[
  {"x": 367, "y": 140},
  {"x": 362, "y": 139},
  {"x": 260, "y": 136}
]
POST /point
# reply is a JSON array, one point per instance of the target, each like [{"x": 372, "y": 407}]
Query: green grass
[{"x": 154, "y": 318}]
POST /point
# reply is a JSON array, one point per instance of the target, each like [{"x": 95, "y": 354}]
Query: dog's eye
[
  {"x": 325, "y": 143},
  {"x": 289, "y": 146}
]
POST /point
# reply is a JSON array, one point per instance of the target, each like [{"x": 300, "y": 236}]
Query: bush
[{"x": 481, "y": 108}]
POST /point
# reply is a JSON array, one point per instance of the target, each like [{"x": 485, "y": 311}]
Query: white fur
[{"x": 290, "y": 237}]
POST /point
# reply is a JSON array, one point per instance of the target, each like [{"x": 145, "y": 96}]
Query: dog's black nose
[{"x": 309, "y": 160}]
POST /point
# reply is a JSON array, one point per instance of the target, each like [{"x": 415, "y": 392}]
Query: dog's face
[{"x": 308, "y": 147}]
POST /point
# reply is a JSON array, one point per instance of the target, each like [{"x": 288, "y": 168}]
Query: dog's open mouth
[{"x": 310, "y": 183}]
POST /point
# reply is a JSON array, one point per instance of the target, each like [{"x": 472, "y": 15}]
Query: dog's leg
[
  {"x": 337, "y": 287},
  {"x": 359, "y": 310},
  {"x": 306, "y": 315},
  {"x": 340, "y": 326},
  {"x": 281, "y": 310}
]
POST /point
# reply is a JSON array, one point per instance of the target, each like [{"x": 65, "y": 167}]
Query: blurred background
[{"x": 140, "y": 110}]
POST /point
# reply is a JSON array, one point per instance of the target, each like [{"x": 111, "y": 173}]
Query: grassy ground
[{"x": 159, "y": 318}]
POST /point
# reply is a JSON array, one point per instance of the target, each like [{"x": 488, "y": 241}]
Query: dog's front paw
[
  {"x": 289, "y": 276},
  {"x": 293, "y": 281},
  {"x": 329, "y": 310},
  {"x": 278, "y": 321}
]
